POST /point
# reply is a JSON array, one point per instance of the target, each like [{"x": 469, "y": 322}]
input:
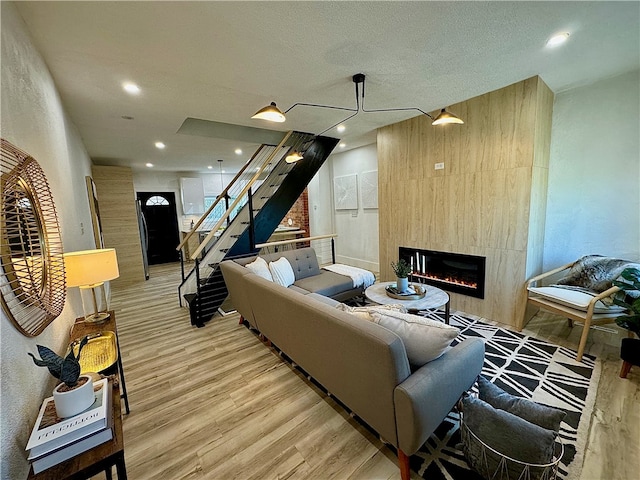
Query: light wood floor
[{"x": 216, "y": 403}]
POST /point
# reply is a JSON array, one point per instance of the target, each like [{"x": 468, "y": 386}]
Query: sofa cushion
[
  {"x": 325, "y": 283},
  {"x": 304, "y": 261},
  {"x": 507, "y": 433},
  {"x": 365, "y": 312},
  {"x": 260, "y": 267},
  {"x": 282, "y": 272},
  {"x": 574, "y": 299},
  {"x": 424, "y": 339},
  {"x": 541, "y": 415}
]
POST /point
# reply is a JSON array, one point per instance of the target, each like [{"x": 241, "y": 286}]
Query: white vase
[
  {"x": 402, "y": 284},
  {"x": 74, "y": 401}
]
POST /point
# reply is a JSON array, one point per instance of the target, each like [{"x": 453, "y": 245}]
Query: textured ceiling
[{"x": 222, "y": 61}]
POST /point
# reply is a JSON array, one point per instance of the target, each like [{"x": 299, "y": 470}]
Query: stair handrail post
[
  {"x": 252, "y": 231},
  {"x": 333, "y": 250},
  {"x": 197, "y": 299},
  {"x": 226, "y": 206},
  {"x": 219, "y": 198},
  {"x": 244, "y": 191},
  {"x": 181, "y": 264}
]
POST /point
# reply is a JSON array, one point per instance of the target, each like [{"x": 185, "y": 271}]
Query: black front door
[{"x": 159, "y": 210}]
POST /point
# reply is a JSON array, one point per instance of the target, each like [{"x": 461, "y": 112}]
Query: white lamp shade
[{"x": 88, "y": 267}]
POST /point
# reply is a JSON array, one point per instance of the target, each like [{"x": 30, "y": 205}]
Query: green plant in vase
[
  {"x": 75, "y": 392},
  {"x": 402, "y": 270},
  {"x": 629, "y": 298}
]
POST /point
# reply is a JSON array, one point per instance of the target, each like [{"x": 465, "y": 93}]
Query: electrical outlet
[
  {"x": 439, "y": 166},
  {"x": 81, "y": 228}
]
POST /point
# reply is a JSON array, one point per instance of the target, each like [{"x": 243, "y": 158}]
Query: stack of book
[{"x": 54, "y": 440}]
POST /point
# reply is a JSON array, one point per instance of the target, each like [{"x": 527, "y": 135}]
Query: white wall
[
  {"x": 593, "y": 204},
  {"x": 357, "y": 230},
  {"x": 152, "y": 181},
  {"x": 34, "y": 120}
]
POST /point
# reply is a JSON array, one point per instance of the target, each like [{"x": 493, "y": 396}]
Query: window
[{"x": 156, "y": 200}]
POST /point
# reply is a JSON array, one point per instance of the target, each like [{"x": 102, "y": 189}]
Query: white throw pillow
[
  {"x": 259, "y": 267},
  {"x": 365, "y": 312},
  {"x": 282, "y": 272},
  {"x": 424, "y": 339}
]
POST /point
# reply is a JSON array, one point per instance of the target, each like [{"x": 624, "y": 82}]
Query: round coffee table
[{"x": 434, "y": 298}]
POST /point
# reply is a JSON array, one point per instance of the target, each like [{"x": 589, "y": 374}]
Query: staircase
[{"x": 256, "y": 202}]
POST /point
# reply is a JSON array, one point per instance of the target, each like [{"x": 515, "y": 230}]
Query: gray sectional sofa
[{"x": 361, "y": 363}]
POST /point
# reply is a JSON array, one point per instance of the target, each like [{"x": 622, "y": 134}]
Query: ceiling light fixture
[
  {"x": 160, "y": 145},
  {"x": 238, "y": 151},
  {"x": 271, "y": 113},
  {"x": 150, "y": 165},
  {"x": 293, "y": 157},
  {"x": 268, "y": 112},
  {"x": 209, "y": 167},
  {"x": 342, "y": 145},
  {"x": 341, "y": 128},
  {"x": 558, "y": 39},
  {"x": 131, "y": 88}
]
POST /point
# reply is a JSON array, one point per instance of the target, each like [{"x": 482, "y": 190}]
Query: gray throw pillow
[
  {"x": 541, "y": 415},
  {"x": 506, "y": 433}
]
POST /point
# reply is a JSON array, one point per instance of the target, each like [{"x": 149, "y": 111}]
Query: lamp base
[{"x": 99, "y": 317}]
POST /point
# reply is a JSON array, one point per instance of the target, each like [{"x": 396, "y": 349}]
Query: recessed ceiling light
[
  {"x": 238, "y": 151},
  {"x": 342, "y": 145},
  {"x": 149, "y": 165},
  {"x": 558, "y": 39},
  {"x": 341, "y": 128},
  {"x": 209, "y": 167},
  {"x": 160, "y": 145},
  {"x": 222, "y": 171},
  {"x": 131, "y": 88}
]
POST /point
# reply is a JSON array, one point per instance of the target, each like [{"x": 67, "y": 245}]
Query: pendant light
[{"x": 273, "y": 114}]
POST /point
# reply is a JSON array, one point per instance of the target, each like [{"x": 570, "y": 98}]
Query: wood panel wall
[
  {"x": 489, "y": 200},
  {"x": 117, "y": 203}
]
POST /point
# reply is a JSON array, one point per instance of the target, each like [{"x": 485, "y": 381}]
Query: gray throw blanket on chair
[{"x": 595, "y": 274}]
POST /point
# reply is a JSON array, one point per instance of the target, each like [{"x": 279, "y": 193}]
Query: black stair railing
[{"x": 268, "y": 206}]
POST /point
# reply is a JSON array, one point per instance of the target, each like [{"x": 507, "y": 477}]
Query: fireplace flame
[{"x": 450, "y": 280}]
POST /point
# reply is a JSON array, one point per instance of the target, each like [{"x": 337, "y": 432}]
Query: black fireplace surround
[{"x": 454, "y": 272}]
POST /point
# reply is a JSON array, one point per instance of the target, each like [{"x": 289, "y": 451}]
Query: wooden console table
[
  {"x": 81, "y": 328},
  {"x": 98, "y": 459}
]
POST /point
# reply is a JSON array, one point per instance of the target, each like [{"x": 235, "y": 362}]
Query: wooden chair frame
[{"x": 588, "y": 318}]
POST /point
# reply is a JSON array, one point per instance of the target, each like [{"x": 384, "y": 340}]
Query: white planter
[
  {"x": 402, "y": 284},
  {"x": 74, "y": 401}
]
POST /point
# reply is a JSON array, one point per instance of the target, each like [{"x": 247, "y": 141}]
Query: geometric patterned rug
[{"x": 523, "y": 366}]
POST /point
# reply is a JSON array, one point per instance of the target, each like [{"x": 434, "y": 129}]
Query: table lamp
[{"x": 89, "y": 269}]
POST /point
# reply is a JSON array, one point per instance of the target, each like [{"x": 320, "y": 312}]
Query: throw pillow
[
  {"x": 365, "y": 312},
  {"x": 506, "y": 433},
  {"x": 282, "y": 272},
  {"x": 541, "y": 415},
  {"x": 259, "y": 267},
  {"x": 424, "y": 339}
]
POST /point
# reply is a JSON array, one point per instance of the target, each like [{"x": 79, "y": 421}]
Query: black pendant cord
[
  {"x": 358, "y": 78},
  {"x": 407, "y": 109}
]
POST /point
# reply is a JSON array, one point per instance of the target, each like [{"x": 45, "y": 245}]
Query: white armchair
[{"x": 577, "y": 304}]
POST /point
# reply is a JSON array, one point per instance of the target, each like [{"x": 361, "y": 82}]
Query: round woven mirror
[{"x": 32, "y": 281}]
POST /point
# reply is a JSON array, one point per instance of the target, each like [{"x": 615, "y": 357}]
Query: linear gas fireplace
[{"x": 453, "y": 272}]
